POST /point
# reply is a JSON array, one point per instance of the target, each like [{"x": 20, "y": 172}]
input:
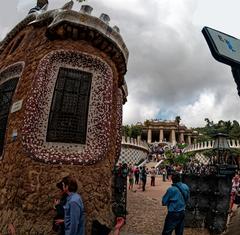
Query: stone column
[
  {"x": 161, "y": 136},
  {"x": 181, "y": 137},
  {"x": 189, "y": 140},
  {"x": 138, "y": 139},
  {"x": 173, "y": 136},
  {"x": 149, "y": 137}
]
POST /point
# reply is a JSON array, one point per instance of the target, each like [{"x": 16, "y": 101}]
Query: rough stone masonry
[{"x": 47, "y": 131}]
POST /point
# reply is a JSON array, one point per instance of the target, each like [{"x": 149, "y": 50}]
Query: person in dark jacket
[
  {"x": 144, "y": 178},
  {"x": 59, "y": 207}
]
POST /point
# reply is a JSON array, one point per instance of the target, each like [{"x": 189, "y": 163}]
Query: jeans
[
  {"x": 174, "y": 221},
  {"x": 144, "y": 181},
  {"x": 152, "y": 180}
]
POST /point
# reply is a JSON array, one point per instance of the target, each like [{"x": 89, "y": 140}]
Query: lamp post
[{"x": 221, "y": 147}]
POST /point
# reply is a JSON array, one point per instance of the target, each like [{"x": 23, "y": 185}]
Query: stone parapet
[
  {"x": 132, "y": 151},
  {"x": 209, "y": 145}
]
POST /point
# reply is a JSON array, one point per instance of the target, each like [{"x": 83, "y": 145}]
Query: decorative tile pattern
[
  {"x": 131, "y": 155},
  {"x": 202, "y": 159},
  {"x": 119, "y": 123},
  {"x": 11, "y": 71},
  {"x": 99, "y": 115}
]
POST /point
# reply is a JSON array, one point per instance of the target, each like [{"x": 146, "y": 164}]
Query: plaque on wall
[{"x": 16, "y": 106}]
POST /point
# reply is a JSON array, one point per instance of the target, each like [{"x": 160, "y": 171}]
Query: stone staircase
[{"x": 149, "y": 165}]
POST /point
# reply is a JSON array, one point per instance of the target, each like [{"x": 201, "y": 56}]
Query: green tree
[
  {"x": 235, "y": 131},
  {"x": 135, "y": 131},
  {"x": 132, "y": 131},
  {"x": 208, "y": 122},
  {"x": 146, "y": 123},
  {"x": 126, "y": 130},
  {"x": 170, "y": 157},
  {"x": 182, "y": 159}
]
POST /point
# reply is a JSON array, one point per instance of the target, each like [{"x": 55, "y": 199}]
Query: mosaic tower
[{"x": 61, "y": 94}]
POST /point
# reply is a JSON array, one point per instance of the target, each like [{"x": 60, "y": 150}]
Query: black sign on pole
[{"x": 226, "y": 49}]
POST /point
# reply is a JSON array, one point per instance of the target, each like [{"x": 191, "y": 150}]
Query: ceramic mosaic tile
[
  {"x": 99, "y": 115},
  {"x": 11, "y": 71}
]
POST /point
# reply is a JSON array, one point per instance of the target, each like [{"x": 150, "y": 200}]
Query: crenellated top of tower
[{"x": 65, "y": 23}]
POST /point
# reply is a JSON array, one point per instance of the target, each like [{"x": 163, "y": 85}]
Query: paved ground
[
  {"x": 146, "y": 215},
  {"x": 234, "y": 224}
]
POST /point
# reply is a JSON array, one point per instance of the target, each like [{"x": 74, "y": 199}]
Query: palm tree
[{"x": 177, "y": 120}]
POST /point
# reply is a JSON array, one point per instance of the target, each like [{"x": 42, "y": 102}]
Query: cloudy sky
[{"x": 171, "y": 71}]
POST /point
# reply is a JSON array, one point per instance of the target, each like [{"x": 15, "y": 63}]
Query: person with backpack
[{"x": 175, "y": 199}]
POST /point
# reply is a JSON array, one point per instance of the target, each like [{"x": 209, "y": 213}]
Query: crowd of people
[
  {"x": 138, "y": 176},
  {"x": 178, "y": 193},
  {"x": 197, "y": 168},
  {"x": 69, "y": 208}
]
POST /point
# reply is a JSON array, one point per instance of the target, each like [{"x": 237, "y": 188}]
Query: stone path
[
  {"x": 146, "y": 215},
  {"x": 234, "y": 225}
]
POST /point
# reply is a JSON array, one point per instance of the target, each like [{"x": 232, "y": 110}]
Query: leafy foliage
[
  {"x": 181, "y": 145},
  {"x": 177, "y": 119},
  {"x": 180, "y": 159},
  {"x": 232, "y": 129},
  {"x": 132, "y": 131}
]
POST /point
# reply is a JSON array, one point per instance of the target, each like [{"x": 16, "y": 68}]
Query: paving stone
[{"x": 146, "y": 215}]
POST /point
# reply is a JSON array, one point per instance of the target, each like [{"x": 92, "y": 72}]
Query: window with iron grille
[
  {"x": 69, "y": 110},
  {"x": 6, "y": 93}
]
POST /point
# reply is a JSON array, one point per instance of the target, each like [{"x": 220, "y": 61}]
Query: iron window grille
[
  {"x": 6, "y": 93},
  {"x": 69, "y": 110}
]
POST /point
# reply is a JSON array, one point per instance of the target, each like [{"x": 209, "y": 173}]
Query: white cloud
[
  {"x": 3, "y": 32},
  {"x": 134, "y": 112},
  {"x": 195, "y": 113},
  {"x": 24, "y": 5},
  {"x": 211, "y": 107}
]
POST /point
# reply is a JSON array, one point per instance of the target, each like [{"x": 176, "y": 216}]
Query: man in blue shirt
[
  {"x": 175, "y": 199},
  {"x": 73, "y": 209}
]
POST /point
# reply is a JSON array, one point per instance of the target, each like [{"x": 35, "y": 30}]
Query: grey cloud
[{"x": 169, "y": 66}]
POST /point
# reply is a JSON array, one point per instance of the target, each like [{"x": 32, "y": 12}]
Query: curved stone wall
[
  {"x": 28, "y": 176},
  {"x": 132, "y": 152}
]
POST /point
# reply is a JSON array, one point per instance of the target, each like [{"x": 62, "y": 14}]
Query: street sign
[{"x": 224, "y": 48}]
